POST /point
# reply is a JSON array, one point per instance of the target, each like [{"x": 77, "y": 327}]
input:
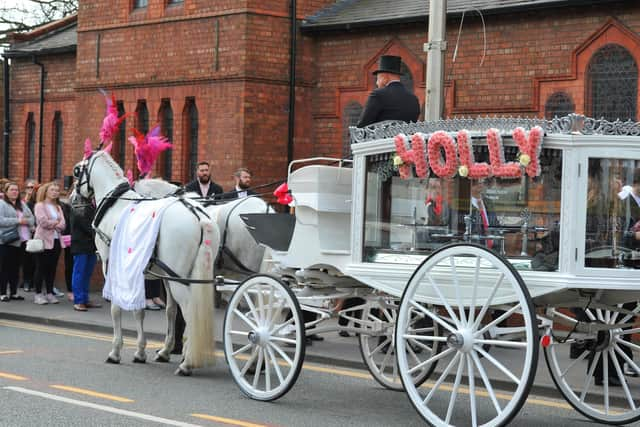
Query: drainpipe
[
  {"x": 292, "y": 83},
  {"x": 40, "y": 133},
  {"x": 7, "y": 117}
]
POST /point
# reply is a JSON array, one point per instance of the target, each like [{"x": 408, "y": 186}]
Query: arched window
[
  {"x": 558, "y": 104},
  {"x": 350, "y": 117},
  {"x": 142, "y": 116},
  {"x": 118, "y": 151},
  {"x": 165, "y": 117},
  {"x": 138, "y": 4},
  {"x": 57, "y": 149},
  {"x": 190, "y": 141},
  {"x": 30, "y": 132},
  {"x": 612, "y": 84}
]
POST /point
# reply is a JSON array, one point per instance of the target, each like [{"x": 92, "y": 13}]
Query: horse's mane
[{"x": 154, "y": 187}]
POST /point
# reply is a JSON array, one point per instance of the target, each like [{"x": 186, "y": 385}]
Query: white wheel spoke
[
  {"x": 497, "y": 364},
  {"x": 239, "y": 333},
  {"x": 385, "y": 359},
  {"x": 497, "y": 343},
  {"x": 387, "y": 315},
  {"x": 456, "y": 386},
  {"x": 267, "y": 370},
  {"x": 413, "y": 354},
  {"x": 425, "y": 338},
  {"x": 277, "y": 329},
  {"x": 456, "y": 284},
  {"x": 249, "y": 362},
  {"x": 242, "y": 349},
  {"x": 245, "y": 319},
  {"x": 605, "y": 379},
  {"x": 627, "y": 359},
  {"x": 258, "y": 369},
  {"x": 435, "y": 317},
  {"x": 590, "y": 315},
  {"x": 442, "y": 377},
  {"x": 498, "y": 320},
  {"x": 394, "y": 374},
  {"x": 622, "y": 379},
  {"x": 270, "y": 305},
  {"x": 472, "y": 307},
  {"x": 421, "y": 330},
  {"x": 628, "y": 344},
  {"x": 387, "y": 341},
  {"x": 599, "y": 315},
  {"x": 261, "y": 306},
  {"x": 252, "y": 307},
  {"x": 569, "y": 319},
  {"x": 444, "y": 302},
  {"x": 282, "y": 339},
  {"x": 472, "y": 393},
  {"x": 281, "y": 353},
  {"x": 487, "y": 382},
  {"x": 276, "y": 366},
  {"x": 627, "y": 332},
  {"x": 432, "y": 359},
  {"x": 488, "y": 302},
  {"x": 575, "y": 362},
  {"x": 589, "y": 377},
  {"x": 419, "y": 344}
]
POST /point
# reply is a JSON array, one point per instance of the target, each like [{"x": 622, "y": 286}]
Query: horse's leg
[
  {"x": 140, "y": 356},
  {"x": 186, "y": 366},
  {"x": 116, "y": 318},
  {"x": 164, "y": 354}
]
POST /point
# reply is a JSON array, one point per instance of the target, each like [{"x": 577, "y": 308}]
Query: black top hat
[{"x": 389, "y": 64}]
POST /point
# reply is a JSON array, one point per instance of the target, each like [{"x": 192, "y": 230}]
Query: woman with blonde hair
[
  {"x": 50, "y": 225},
  {"x": 15, "y": 221}
]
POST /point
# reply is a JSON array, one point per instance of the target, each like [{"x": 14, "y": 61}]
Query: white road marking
[{"x": 104, "y": 408}]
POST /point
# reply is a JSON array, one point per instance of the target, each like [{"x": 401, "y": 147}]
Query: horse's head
[{"x": 81, "y": 173}]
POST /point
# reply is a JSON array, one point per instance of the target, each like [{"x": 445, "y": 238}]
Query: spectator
[
  {"x": 152, "y": 291},
  {"x": 14, "y": 215},
  {"x": 49, "y": 227},
  {"x": 29, "y": 259},
  {"x": 242, "y": 189},
  {"x": 83, "y": 249},
  {"x": 203, "y": 185},
  {"x": 68, "y": 256}
]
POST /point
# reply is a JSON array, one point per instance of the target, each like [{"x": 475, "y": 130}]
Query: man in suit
[
  {"x": 391, "y": 100},
  {"x": 243, "y": 183},
  {"x": 482, "y": 212},
  {"x": 203, "y": 184}
]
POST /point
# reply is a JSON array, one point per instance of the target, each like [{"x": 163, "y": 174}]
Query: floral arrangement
[
  {"x": 496, "y": 156},
  {"x": 447, "y": 167},
  {"x": 403, "y": 158},
  {"x": 530, "y": 147},
  {"x": 469, "y": 168}
]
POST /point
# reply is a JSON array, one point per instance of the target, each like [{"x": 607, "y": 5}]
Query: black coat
[
  {"x": 194, "y": 186},
  {"x": 392, "y": 102},
  {"x": 233, "y": 194},
  {"x": 82, "y": 234}
]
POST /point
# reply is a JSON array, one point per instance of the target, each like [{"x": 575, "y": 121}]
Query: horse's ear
[
  {"x": 88, "y": 149},
  {"x": 107, "y": 149}
]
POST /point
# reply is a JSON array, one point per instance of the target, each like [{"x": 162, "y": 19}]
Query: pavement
[{"x": 334, "y": 350}]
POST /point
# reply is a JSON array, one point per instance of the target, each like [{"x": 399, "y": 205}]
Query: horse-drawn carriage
[{"x": 464, "y": 299}]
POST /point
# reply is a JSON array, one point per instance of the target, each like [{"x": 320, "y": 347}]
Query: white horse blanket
[{"x": 132, "y": 245}]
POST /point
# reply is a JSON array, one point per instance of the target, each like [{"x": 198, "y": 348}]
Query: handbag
[
  {"x": 9, "y": 236},
  {"x": 35, "y": 246}
]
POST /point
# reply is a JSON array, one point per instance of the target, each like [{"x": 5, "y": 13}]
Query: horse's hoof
[
  {"x": 161, "y": 358},
  {"x": 112, "y": 361},
  {"x": 138, "y": 360},
  {"x": 182, "y": 372}
]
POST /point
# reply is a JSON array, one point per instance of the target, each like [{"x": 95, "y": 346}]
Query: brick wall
[
  {"x": 529, "y": 56},
  {"x": 2, "y": 154}
]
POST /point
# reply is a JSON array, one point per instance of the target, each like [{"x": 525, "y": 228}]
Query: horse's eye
[{"x": 76, "y": 172}]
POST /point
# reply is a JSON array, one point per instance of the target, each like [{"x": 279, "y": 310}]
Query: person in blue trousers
[{"x": 83, "y": 250}]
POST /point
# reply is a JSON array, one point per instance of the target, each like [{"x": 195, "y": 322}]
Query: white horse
[{"x": 186, "y": 244}]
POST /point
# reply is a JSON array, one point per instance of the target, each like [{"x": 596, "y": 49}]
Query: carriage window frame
[{"x": 581, "y": 206}]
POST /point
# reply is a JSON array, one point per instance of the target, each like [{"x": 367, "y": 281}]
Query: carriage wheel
[
  {"x": 609, "y": 355},
  {"x": 378, "y": 350},
  {"x": 488, "y": 336},
  {"x": 264, "y": 337}
]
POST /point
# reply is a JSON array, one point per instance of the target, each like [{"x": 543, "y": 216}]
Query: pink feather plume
[
  {"x": 130, "y": 177},
  {"x": 88, "y": 148},
  {"x": 148, "y": 147},
  {"x": 111, "y": 121}
]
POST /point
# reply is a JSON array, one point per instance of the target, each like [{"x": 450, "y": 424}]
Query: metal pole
[
  {"x": 435, "y": 48},
  {"x": 292, "y": 82}
]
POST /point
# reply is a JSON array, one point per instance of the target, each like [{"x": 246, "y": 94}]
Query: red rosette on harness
[{"x": 283, "y": 195}]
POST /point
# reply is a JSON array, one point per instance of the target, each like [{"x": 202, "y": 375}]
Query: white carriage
[{"x": 556, "y": 265}]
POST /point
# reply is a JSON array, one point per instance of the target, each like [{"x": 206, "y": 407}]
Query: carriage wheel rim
[
  {"x": 464, "y": 359},
  {"x": 258, "y": 358},
  {"x": 584, "y": 397}
]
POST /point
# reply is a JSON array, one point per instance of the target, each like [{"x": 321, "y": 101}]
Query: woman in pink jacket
[{"x": 49, "y": 226}]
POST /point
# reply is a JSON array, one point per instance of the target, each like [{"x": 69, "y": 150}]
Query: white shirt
[
  {"x": 204, "y": 188},
  {"x": 53, "y": 213},
  {"x": 241, "y": 193}
]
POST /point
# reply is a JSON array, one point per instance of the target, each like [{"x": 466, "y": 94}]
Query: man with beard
[
  {"x": 203, "y": 185},
  {"x": 243, "y": 183}
]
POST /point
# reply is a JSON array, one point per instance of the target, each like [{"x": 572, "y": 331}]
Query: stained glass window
[
  {"x": 559, "y": 104},
  {"x": 612, "y": 84}
]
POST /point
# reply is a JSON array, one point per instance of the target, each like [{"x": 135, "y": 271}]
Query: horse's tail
[{"x": 200, "y": 327}]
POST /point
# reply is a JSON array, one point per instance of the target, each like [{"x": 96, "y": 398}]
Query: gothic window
[
  {"x": 165, "y": 117},
  {"x": 190, "y": 123},
  {"x": 56, "y": 162},
  {"x": 559, "y": 104},
  {"x": 30, "y": 128},
  {"x": 612, "y": 84},
  {"x": 350, "y": 117},
  {"x": 118, "y": 150},
  {"x": 142, "y": 116},
  {"x": 139, "y": 4}
]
